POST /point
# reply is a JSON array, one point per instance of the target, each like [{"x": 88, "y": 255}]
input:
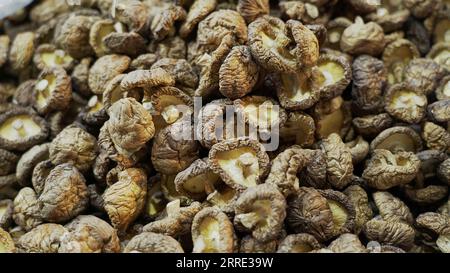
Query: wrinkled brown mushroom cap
[
  {"x": 436, "y": 137},
  {"x": 372, "y": 125},
  {"x": 21, "y": 129},
  {"x": 385, "y": 170},
  {"x": 392, "y": 233},
  {"x": 298, "y": 243},
  {"x": 332, "y": 116},
  {"x": 48, "y": 56},
  {"x": 197, "y": 12},
  {"x": 97, "y": 33},
  {"x": 339, "y": 161},
  {"x": 6, "y": 242},
  {"x": 396, "y": 57},
  {"x": 424, "y": 74},
  {"x": 392, "y": 208},
  {"x": 252, "y": 9},
  {"x": 105, "y": 69},
  {"x": 363, "y": 211},
  {"x": 336, "y": 75},
  {"x": 434, "y": 222},
  {"x": 390, "y": 16},
  {"x": 212, "y": 232},
  {"x": 363, "y": 38},
  {"x": 149, "y": 242},
  {"x": 8, "y": 161},
  {"x": 299, "y": 129},
  {"x": 6, "y": 212},
  {"x": 27, "y": 162},
  {"x": 241, "y": 162},
  {"x": 359, "y": 149},
  {"x": 261, "y": 210},
  {"x": 248, "y": 244},
  {"x": 439, "y": 110},
  {"x": 26, "y": 209},
  {"x": 347, "y": 243},
  {"x": 439, "y": 53},
  {"x": 428, "y": 195}
]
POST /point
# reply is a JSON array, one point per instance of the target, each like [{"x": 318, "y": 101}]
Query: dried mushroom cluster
[{"x": 104, "y": 148}]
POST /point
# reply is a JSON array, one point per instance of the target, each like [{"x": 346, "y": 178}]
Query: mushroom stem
[
  {"x": 248, "y": 220},
  {"x": 247, "y": 162}
]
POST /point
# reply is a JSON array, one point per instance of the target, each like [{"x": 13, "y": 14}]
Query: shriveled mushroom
[
  {"x": 405, "y": 102},
  {"x": 398, "y": 138},
  {"x": 339, "y": 161},
  {"x": 149, "y": 242},
  {"x": 298, "y": 243},
  {"x": 363, "y": 38}
]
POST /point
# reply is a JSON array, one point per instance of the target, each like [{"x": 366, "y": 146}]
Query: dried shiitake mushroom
[
  {"x": 52, "y": 91},
  {"x": 443, "y": 171},
  {"x": 185, "y": 78},
  {"x": 405, "y": 102},
  {"x": 177, "y": 221},
  {"x": 125, "y": 199},
  {"x": 197, "y": 180},
  {"x": 335, "y": 28},
  {"x": 48, "y": 56},
  {"x": 385, "y": 169},
  {"x": 332, "y": 116},
  {"x": 4, "y": 49},
  {"x": 424, "y": 74},
  {"x": 105, "y": 69},
  {"x": 298, "y": 129},
  {"x": 241, "y": 162},
  {"x": 26, "y": 209},
  {"x": 6, "y": 242},
  {"x": 149, "y": 242},
  {"x": 21, "y": 129},
  {"x": 21, "y": 51},
  {"x": 163, "y": 23},
  {"x": 347, "y": 243},
  {"x": 440, "y": 54},
  {"x": 28, "y": 161},
  {"x": 147, "y": 79},
  {"x": 360, "y": 201},
  {"x": 398, "y": 138},
  {"x": 44, "y": 238},
  {"x": 338, "y": 161},
  {"x": 224, "y": 197},
  {"x": 342, "y": 211},
  {"x": 239, "y": 73},
  {"x": 197, "y": 12},
  {"x": 369, "y": 79},
  {"x": 440, "y": 110},
  {"x": 372, "y": 125},
  {"x": 436, "y": 137},
  {"x": 64, "y": 195},
  {"x": 390, "y": 15},
  {"x": 363, "y": 38},
  {"x": 260, "y": 210},
  {"x": 336, "y": 75},
  {"x": 388, "y": 232},
  {"x": 443, "y": 89},
  {"x": 427, "y": 195},
  {"x": 359, "y": 149},
  {"x": 128, "y": 43},
  {"x": 396, "y": 56},
  {"x": 89, "y": 234},
  {"x": 298, "y": 243},
  {"x": 252, "y": 9},
  {"x": 8, "y": 161},
  {"x": 99, "y": 30},
  {"x": 212, "y": 232},
  {"x": 248, "y": 244},
  {"x": 74, "y": 145},
  {"x": 6, "y": 212},
  {"x": 392, "y": 208}
]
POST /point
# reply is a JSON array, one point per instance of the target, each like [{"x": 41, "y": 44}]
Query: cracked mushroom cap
[
  {"x": 125, "y": 199},
  {"x": 105, "y": 69},
  {"x": 177, "y": 221},
  {"x": 241, "y": 162},
  {"x": 360, "y": 201},
  {"x": 385, "y": 170},
  {"x": 309, "y": 212},
  {"x": 26, "y": 212},
  {"x": 6, "y": 213},
  {"x": 6, "y": 242},
  {"x": 212, "y": 232},
  {"x": 369, "y": 79},
  {"x": 424, "y": 74},
  {"x": 298, "y": 243},
  {"x": 363, "y": 38},
  {"x": 336, "y": 75},
  {"x": 74, "y": 145},
  {"x": 347, "y": 243},
  {"x": 197, "y": 180},
  {"x": 405, "y": 102},
  {"x": 392, "y": 208},
  {"x": 28, "y": 161},
  {"x": 270, "y": 45},
  {"x": 391, "y": 15},
  {"x": 435, "y": 222},
  {"x": 149, "y": 242},
  {"x": 332, "y": 116},
  {"x": 44, "y": 238},
  {"x": 284, "y": 169},
  {"x": 52, "y": 91},
  {"x": 396, "y": 56},
  {"x": 238, "y": 74},
  {"x": 391, "y": 233},
  {"x": 436, "y": 137},
  {"x": 398, "y": 138},
  {"x": 174, "y": 147},
  {"x": 21, "y": 129},
  {"x": 197, "y": 12},
  {"x": 298, "y": 129},
  {"x": 64, "y": 195},
  {"x": 89, "y": 234},
  {"x": 300, "y": 90},
  {"x": 130, "y": 125},
  {"x": 338, "y": 161},
  {"x": 261, "y": 210},
  {"x": 48, "y": 56}
]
